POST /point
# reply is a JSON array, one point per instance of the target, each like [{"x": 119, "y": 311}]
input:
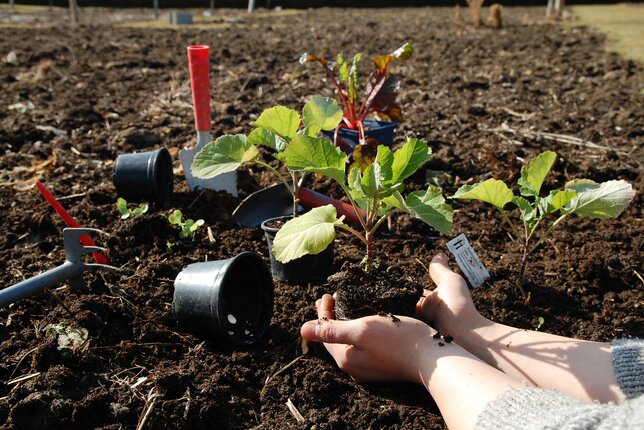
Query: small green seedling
[
  {"x": 580, "y": 196},
  {"x": 540, "y": 322},
  {"x": 277, "y": 128},
  {"x": 121, "y": 205},
  {"x": 188, "y": 227},
  {"x": 169, "y": 247},
  {"x": 377, "y": 191}
]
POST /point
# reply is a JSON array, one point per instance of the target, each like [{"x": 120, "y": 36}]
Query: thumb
[
  {"x": 440, "y": 272},
  {"x": 328, "y": 331}
]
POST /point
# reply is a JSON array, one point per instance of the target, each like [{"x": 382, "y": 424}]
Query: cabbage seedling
[
  {"x": 276, "y": 128},
  {"x": 377, "y": 191},
  {"x": 580, "y": 196},
  {"x": 121, "y": 205},
  {"x": 188, "y": 227}
]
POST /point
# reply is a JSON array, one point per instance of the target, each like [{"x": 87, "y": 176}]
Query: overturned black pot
[
  {"x": 231, "y": 299},
  {"x": 144, "y": 176},
  {"x": 304, "y": 269}
]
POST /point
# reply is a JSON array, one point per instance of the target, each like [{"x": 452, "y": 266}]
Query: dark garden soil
[{"x": 76, "y": 99}]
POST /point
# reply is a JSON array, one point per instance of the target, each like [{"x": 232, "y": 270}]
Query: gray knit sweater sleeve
[{"x": 535, "y": 409}]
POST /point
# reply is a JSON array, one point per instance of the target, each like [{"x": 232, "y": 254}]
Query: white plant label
[{"x": 468, "y": 260}]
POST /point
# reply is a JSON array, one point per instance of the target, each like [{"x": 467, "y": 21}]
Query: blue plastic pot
[{"x": 381, "y": 131}]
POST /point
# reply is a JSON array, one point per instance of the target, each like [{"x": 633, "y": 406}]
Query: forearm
[
  {"x": 461, "y": 384},
  {"x": 579, "y": 368}
]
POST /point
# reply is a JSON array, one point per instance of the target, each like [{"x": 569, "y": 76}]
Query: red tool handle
[
  {"x": 199, "y": 63},
  {"x": 71, "y": 222},
  {"x": 313, "y": 199}
]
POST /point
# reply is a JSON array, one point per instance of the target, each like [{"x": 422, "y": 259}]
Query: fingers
[
  {"x": 329, "y": 331},
  {"x": 325, "y": 307}
]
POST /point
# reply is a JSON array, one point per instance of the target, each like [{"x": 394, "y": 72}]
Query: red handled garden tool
[
  {"x": 71, "y": 222},
  {"x": 71, "y": 270},
  {"x": 199, "y": 63},
  {"x": 277, "y": 200}
]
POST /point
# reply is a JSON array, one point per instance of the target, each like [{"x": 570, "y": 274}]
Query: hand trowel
[{"x": 199, "y": 63}]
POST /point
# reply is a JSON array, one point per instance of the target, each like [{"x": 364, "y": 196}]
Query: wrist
[{"x": 475, "y": 334}]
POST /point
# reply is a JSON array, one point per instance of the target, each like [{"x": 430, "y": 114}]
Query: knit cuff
[
  {"x": 536, "y": 408},
  {"x": 628, "y": 362}
]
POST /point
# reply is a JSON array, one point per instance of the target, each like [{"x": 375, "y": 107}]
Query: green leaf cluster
[
  {"x": 188, "y": 227},
  {"x": 277, "y": 128},
  {"x": 377, "y": 191},
  {"x": 126, "y": 212},
  {"x": 581, "y": 196}
]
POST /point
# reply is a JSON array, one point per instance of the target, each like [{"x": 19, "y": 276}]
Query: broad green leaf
[
  {"x": 408, "y": 158},
  {"x": 430, "y": 206},
  {"x": 528, "y": 212},
  {"x": 395, "y": 200},
  {"x": 604, "y": 200},
  {"x": 310, "y": 233},
  {"x": 556, "y": 200},
  {"x": 369, "y": 181},
  {"x": 311, "y": 154},
  {"x": 175, "y": 217},
  {"x": 262, "y": 136},
  {"x": 280, "y": 120},
  {"x": 533, "y": 173},
  {"x": 223, "y": 155},
  {"x": 492, "y": 191},
  {"x": 321, "y": 113},
  {"x": 385, "y": 158}
]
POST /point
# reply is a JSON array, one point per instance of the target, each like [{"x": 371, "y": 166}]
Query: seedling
[
  {"x": 540, "y": 322},
  {"x": 188, "y": 227},
  {"x": 381, "y": 90},
  {"x": 580, "y": 196},
  {"x": 277, "y": 128},
  {"x": 377, "y": 191},
  {"x": 126, "y": 212}
]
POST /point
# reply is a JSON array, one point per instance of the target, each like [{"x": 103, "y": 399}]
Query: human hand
[
  {"x": 449, "y": 307},
  {"x": 374, "y": 348}
]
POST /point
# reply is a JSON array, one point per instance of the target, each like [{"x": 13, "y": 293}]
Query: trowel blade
[
  {"x": 267, "y": 203},
  {"x": 225, "y": 182}
]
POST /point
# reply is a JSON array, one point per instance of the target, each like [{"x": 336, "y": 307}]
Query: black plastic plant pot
[
  {"x": 144, "y": 176},
  {"x": 230, "y": 299},
  {"x": 305, "y": 269},
  {"x": 382, "y": 133}
]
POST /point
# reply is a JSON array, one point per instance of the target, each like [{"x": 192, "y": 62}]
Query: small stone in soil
[
  {"x": 448, "y": 338},
  {"x": 436, "y": 335},
  {"x": 441, "y": 344}
]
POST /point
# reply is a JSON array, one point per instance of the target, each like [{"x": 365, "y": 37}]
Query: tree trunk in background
[
  {"x": 155, "y": 5},
  {"x": 251, "y": 6},
  {"x": 11, "y": 5}
]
